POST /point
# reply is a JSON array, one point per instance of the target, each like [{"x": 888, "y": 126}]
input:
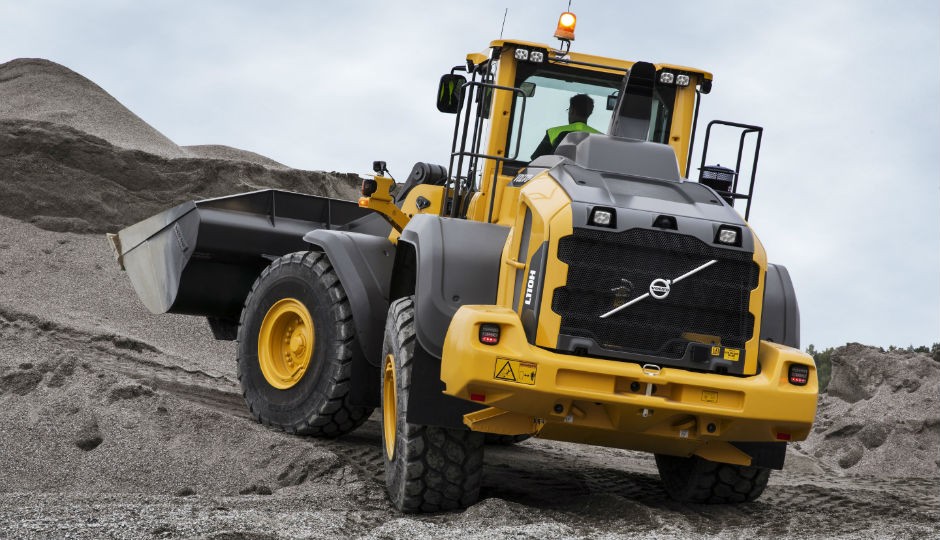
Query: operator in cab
[{"x": 580, "y": 108}]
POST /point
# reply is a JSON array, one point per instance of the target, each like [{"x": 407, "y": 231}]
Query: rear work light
[
  {"x": 798, "y": 375},
  {"x": 536, "y": 56},
  {"x": 671, "y": 78},
  {"x": 489, "y": 334}
]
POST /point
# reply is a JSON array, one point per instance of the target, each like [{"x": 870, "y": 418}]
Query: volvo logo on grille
[{"x": 659, "y": 288}]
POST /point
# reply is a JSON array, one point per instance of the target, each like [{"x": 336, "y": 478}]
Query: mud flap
[
  {"x": 768, "y": 455},
  {"x": 427, "y": 403}
]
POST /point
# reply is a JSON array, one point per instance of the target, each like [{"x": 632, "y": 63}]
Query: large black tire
[
  {"x": 696, "y": 480},
  {"x": 427, "y": 468},
  {"x": 317, "y": 404}
]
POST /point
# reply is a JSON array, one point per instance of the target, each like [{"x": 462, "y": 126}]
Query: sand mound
[
  {"x": 63, "y": 179},
  {"x": 37, "y": 89},
  {"x": 881, "y": 415},
  {"x": 72, "y": 158},
  {"x": 220, "y": 151}
]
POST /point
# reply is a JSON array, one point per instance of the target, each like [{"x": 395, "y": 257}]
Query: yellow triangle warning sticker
[{"x": 505, "y": 373}]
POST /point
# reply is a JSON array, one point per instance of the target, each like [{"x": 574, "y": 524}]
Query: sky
[{"x": 848, "y": 93}]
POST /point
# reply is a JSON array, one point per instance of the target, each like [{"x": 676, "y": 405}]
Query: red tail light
[
  {"x": 489, "y": 334},
  {"x": 798, "y": 375}
]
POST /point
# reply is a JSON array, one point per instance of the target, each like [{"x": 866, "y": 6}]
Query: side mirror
[
  {"x": 450, "y": 92},
  {"x": 612, "y": 100}
]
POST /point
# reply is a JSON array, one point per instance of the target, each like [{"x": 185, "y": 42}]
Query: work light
[
  {"x": 728, "y": 236},
  {"x": 603, "y": 217}
]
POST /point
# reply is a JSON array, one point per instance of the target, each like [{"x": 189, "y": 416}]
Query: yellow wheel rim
[
  {"x": 389, "y": 407},
  {"x": 285, "y": 343}
]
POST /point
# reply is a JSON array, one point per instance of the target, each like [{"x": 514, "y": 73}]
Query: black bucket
[{"x": 201, "y": 257}]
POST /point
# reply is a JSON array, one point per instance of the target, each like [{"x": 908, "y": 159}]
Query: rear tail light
[
  {"x": 783, "y": 436},
  {"x": 489, "y": 334},
  {"x": 478, "y": 397},
  {"x": 798, "y": 375}
]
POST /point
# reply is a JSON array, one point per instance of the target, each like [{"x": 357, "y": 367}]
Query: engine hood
[{"x": 640, "y": 182}]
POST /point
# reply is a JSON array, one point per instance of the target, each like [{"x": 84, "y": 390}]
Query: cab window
[{"x": 549, "y": 89}]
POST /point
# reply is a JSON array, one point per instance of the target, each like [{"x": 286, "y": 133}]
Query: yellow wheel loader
[{"x": 591, "y": 294}]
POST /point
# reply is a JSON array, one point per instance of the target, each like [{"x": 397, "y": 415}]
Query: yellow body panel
[
  {"x": 434, "y": 195},
  {"x": 605, "y": 402},
  {"x": 756, "y": 305}
]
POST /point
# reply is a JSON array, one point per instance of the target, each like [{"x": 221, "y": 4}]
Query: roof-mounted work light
[{"x": 566, "y": 24}]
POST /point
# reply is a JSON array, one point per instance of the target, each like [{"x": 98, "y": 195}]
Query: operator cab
[
  {"x": 548, "y": 89},
  {"x": 517, "y": 91}
]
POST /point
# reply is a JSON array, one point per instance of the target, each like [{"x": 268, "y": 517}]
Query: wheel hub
[{"x": 285, "y": 343}]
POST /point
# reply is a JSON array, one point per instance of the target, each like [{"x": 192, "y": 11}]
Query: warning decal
[{"x": 514, "y": 371}]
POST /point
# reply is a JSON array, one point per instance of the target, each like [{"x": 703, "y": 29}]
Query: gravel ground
[{"x": 117, "y": 423}]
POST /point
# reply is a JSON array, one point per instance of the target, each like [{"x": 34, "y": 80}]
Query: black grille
[{"x": 607, "y": 269}]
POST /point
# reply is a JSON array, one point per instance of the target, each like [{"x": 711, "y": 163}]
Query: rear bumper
[{"x": 605, "y": 402}]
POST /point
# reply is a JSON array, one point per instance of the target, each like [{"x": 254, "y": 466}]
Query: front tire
[
  {"x": 295, "y": 340},
  {"x": 696, "y": 480},
  {"x": 427, "y": 468}
]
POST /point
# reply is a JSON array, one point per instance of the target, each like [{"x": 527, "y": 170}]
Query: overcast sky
[{"x": 848, "y": 191}]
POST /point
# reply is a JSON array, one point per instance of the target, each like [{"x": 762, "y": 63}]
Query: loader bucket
[{"x": 201, "y": 257}]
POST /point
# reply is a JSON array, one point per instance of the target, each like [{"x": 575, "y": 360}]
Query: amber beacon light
[{"x": 566, "y": 24}]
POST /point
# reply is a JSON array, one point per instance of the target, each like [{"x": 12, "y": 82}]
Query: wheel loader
[{"x": 594, "y": 294}]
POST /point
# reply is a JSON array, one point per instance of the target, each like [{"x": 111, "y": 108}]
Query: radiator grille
[{"x": 607, "y": 269}]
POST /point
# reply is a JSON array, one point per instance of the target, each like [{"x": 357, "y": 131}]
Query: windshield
[{"x": 549, "y": 90}]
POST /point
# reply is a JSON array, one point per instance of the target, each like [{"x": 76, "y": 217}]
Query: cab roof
[{"x": 599, "y": 61}]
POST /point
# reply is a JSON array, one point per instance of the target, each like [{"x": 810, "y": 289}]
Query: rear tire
[
  {"x": 427, "y": 468},
  {"x": 696, "y": 480},
  {"x": 297, "y": 309}
]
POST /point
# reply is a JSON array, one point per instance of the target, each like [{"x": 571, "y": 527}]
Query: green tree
[{"x": 823, "y": 365}]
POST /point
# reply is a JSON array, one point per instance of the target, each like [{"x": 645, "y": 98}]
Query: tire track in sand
[{"x": 527, "y": 474}]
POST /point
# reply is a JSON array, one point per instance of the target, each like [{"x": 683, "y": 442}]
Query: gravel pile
[
  {"x": 37, "y": 89},
  {"x": 63, "y": 179},
  {"x": 881, "y": 414}
]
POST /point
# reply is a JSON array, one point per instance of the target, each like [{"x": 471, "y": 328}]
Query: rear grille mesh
[{"x": 607, "y": 269}]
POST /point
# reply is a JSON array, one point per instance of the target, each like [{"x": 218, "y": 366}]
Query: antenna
[
  {"x": 569, "y": 5},
  {"x": 504, "y": 23}
]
